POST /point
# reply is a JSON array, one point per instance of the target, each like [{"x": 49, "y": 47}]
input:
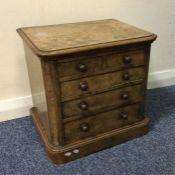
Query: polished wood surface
[
  {"x": 88, "y": 146},
  {"x": 88, "y": 84},
  {"x": 37, "y": 87},
  {"x": 91, "y": 126},
  {"x": 102, "y": 101},
  {"x": 96, "y": 84},
  {"x": 67, "y": 38},
  {"x": 82, "y": 67}
]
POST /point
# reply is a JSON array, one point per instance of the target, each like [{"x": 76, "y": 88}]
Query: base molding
[{"x": 56, "y": 154}]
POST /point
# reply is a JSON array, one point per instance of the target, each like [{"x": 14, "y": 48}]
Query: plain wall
[{"x": 156, "y": 16}]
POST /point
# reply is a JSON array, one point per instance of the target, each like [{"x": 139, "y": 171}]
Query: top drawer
[{"x": 99, "y": 64}]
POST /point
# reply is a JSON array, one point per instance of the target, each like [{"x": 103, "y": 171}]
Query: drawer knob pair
[
  {"x": 83, "y": 86},
  {"x": 69, "y": 153},
  {"x": 124, "y": 115},
  {"x": 84, "y": 127},
  {"x": 127, "y": 59},
  {"x": 83, "y": 105},
  {"x": 82, "y": 67}
]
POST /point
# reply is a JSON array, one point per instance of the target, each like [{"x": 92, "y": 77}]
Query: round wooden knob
[
  {"x": 125, "y": 96},
  {"x": 83, "y": 86},
  {"x": 126, "y": 76},
  {"x": 82, "y": 67},
  {"x": 84, "y": 127},
  {"x": 127, "y": 59},
  {"x": 124, "y": 115},
  {"x": 83, "y": 105}
]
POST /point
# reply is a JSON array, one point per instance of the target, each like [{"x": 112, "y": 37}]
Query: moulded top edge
[{"x": 82, "y": 36}]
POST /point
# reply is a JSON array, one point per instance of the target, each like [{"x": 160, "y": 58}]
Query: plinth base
[{"x": 63, "y": 154}]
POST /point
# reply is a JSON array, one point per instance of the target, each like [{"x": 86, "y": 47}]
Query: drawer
[
  {"x": 99, "y": 64},
  {"x": 95, "y": 84},
  {"x": 103, "y": 101},
  {"x": 101, "y": 123}
]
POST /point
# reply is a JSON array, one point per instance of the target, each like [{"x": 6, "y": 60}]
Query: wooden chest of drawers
[{"x": 88, "y": 82}]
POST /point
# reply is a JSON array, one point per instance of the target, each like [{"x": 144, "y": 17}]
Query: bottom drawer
[{"x": 104, "y": 122}]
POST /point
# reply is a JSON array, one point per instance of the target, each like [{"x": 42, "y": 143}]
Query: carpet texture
[{"x": 22, "y": 153}]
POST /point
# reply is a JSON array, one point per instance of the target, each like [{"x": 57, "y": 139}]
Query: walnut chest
[{"x": 88, "y": 83}]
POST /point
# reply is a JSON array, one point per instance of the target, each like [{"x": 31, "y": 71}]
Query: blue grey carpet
[{"x": 22, "y": 153}]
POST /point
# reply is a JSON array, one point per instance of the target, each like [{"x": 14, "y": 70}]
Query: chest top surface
[{"x": 54, "y": 39}]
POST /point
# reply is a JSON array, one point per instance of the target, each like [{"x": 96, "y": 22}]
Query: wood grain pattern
[
  {"x": 99, "y": 64},
  {"x": 101, "y": 123},
  {"x": 103, "y": 101},
  {"x": 71, "y": 90},
  {"x": 53, "y": 39},
  {"x": 88, "y": 84},
  {"x": 89, "y": 146},
  {"x": 37, "y": 87}
]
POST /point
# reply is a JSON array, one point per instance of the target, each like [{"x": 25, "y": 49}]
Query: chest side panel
[{"x": 37, "y": 86}]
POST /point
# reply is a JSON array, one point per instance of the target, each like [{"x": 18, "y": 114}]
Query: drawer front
[
  {"x": 99, "y": 64},
  {"x": 101, "y": 123},
  {"x": 95, "y": 84},
  {"x": 104, "y": 101}
]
